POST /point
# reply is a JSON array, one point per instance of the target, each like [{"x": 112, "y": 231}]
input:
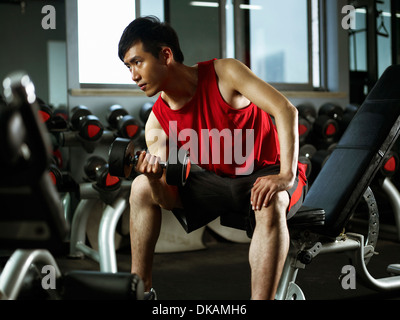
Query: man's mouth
[{"x": 142, "y": 86}]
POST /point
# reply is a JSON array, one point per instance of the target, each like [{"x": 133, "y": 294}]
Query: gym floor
[{"x": 221, "y": 272}]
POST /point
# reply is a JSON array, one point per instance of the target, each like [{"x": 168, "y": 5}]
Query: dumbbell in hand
[{"x": 123, "y": 159}]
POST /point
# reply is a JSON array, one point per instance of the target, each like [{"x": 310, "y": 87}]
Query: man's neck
[{"x": 181, "y": 87}]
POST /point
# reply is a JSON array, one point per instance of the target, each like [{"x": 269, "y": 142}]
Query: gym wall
[
  {"x": 25, "y": 44},
  {"x": 26, "y": 47}
]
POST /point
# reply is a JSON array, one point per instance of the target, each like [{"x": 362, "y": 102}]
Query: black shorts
[{"x": 207, "y": 196}]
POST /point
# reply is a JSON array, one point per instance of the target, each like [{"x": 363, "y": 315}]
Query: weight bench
[
  {"x": 31, "y": 212},
  {"x": 343, "y": 182}
]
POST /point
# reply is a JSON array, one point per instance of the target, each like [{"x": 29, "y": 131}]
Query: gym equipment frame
[
  {"x": 106, "y": 254},
  {"x": 32, "y": 215},
  {"x": 340, "y": 186}
]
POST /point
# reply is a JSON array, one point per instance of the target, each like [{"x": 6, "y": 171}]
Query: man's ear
[{"x": 166, "y": 55}]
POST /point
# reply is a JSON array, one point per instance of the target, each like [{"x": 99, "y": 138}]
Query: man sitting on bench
[{"x": 222, "y": 96}]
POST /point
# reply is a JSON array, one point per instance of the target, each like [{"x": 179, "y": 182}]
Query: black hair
[{"x": 153, "y": 34}]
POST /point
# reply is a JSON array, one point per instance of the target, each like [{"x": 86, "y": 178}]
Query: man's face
[{"x": 147, "y": 71}]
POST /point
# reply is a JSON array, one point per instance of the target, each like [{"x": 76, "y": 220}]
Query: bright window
[
  {"x": 100, "y": 26},
  {"x": 284, "y": 41},
  {"x": 281, "y": 38}
]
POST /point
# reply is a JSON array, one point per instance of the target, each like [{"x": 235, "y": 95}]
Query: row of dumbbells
[
  {"x": 88, "y": 126},
  {"x": 86, "y": 129},
  {"x": 96, "y": 174},
  {"x": 325, "y": 127},
  {"x": 319, "y": 133},
  {"x": 314, "y": 159}
]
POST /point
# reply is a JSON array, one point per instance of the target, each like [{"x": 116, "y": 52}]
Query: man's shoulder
[
  {"x": 227, "y": 66},
  {"x": 227, "y": 62}
]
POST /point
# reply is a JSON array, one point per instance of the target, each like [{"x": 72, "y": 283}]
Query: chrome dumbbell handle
[{"x": 133, "y": 160}]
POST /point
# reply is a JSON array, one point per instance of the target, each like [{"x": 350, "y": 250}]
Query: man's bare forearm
[{"x": 162, "y": 193}]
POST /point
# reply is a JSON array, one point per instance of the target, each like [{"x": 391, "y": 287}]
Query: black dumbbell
[
  {"x": 125, "y": 125},
  {"x": 326, "y": 127},
  {"x": 307, "y": 112},
  {"x": 63, "y": 181},
  {"x": 306, "y": 153},
  {"x": 307, "y": 150},
  {"x": 97, "y": 169},
  {"x": 45, "y": 111},
  {"x": 56, "y": 176},
  {"x": 331, "y": 110},
  {"x": 308, "y": 165},
  {"x": 89, "y": 126},
  {"x": 304, "y": 129},
  {"x": 306, "y": 119},
  {"x": 390, "y": 164},
  {"x": 54, "y": 119},
  {"x": 123, "y": 159}
]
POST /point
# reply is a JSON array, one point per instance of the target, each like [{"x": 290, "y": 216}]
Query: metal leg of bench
[
  {"x": 394, "y": 197},
  {"x": 108, "y": 224},
  {"x": 288, "y": 278},
  {"x": 78, "y": 227},
  {"x": 381, "y": 285},
  {"x": 17, "y": 267}
]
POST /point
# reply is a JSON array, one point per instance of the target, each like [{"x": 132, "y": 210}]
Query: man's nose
[{"x": 135, "y": 75}]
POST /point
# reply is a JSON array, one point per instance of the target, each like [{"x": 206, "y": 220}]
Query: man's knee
[
  {"x": 140, "y": 192},
  {"x": 142, "y": 196},
  {"x": 275, "y": 213}
]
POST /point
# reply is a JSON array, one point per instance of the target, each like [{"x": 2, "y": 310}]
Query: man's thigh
[{"x": 207, "y": 196}]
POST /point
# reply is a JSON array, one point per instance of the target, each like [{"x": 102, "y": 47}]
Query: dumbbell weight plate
[
  {"x": 333, "y": 111},
  {"x": 390, "y": 164},
  {"x": 308, "y": 112},
  {"x": 92, "y": 129},
  {"x": 308, "y": 164},
  {"x": 187, "y": 167},
  {"x": 92, "y": 165},
  {"x": 78, "y": 112},
  {"x": 304, "y": 129},
  {"x": 177, "y": 173},
  {"x": 45, "y": 113},
  {"x": 129, "y": 127},
  {"x": 114, "y": 113},
  {"x": 307, "y": 150},
  {"x": 121, "y": 150},
  {"x": 326, "y": 127},
  {"x": 55, "y": 175}
]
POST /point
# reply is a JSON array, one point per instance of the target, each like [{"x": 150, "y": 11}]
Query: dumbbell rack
[
  {"x": 315, "y": 158},
  {"x": 106, "y": 254},
  {"x": 112, "y": 201}
]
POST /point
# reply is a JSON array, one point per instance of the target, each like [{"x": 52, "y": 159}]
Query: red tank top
[{"x": 219, "y": 138}]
